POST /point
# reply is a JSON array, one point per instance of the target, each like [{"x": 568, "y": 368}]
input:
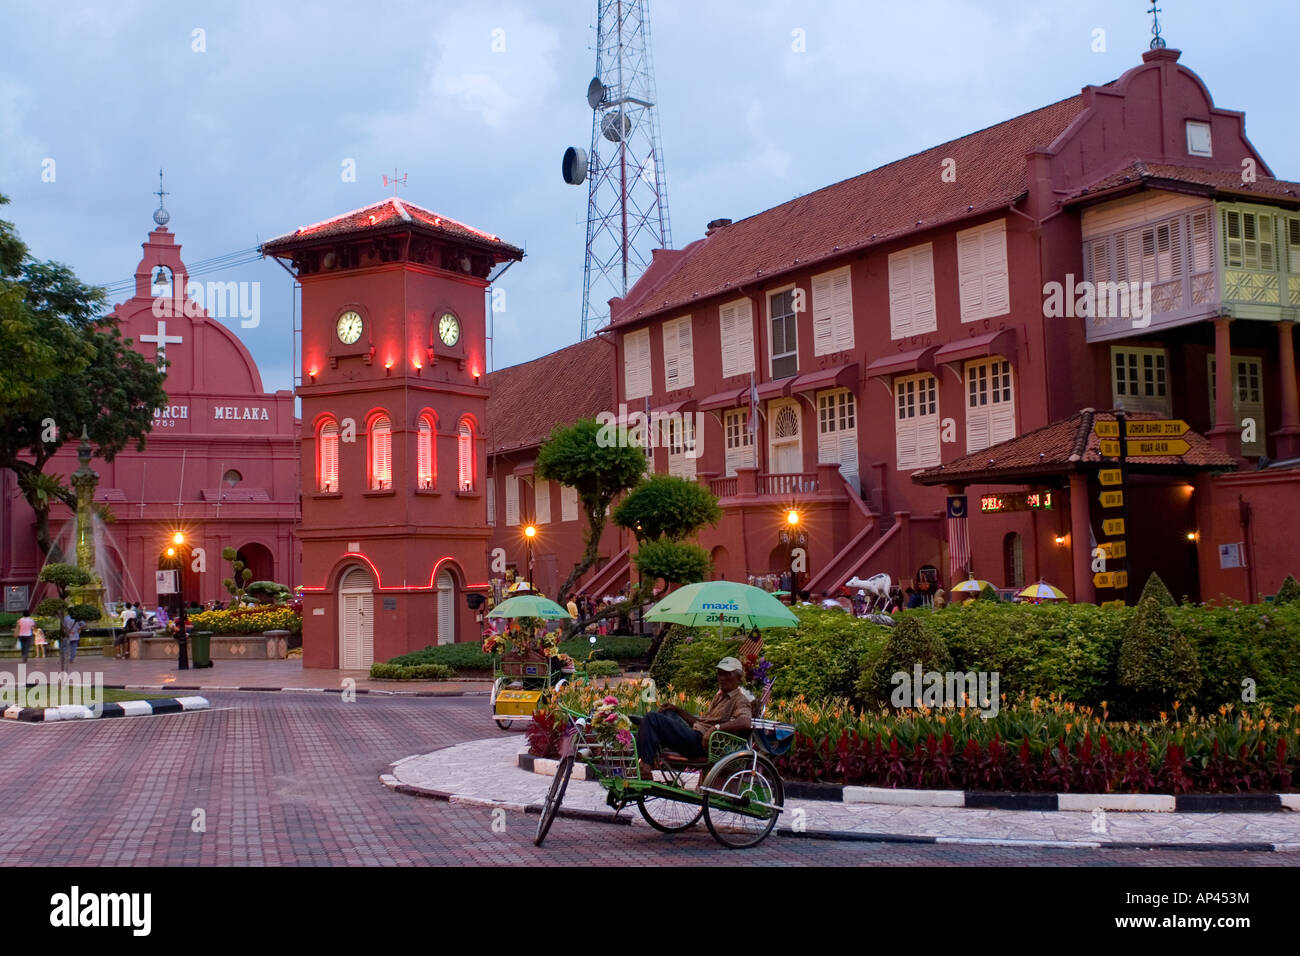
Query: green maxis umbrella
[
  {"x": 530, "y": 605},
  {"x": 722, "y": 604}
]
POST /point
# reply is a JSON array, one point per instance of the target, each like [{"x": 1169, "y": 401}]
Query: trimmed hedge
[
  {"x": 1070, "y": 650},
  {"x": 469, "y": 656},
  {"x": 382, "y": 671}
]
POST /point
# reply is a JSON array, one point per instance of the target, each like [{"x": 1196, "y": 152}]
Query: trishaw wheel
[
  {"x": 554, "y": 797},
  {"x": 746, "y": 800},
  {"x": 669, "y": 816},
  {"x": 503, "y": 724}
]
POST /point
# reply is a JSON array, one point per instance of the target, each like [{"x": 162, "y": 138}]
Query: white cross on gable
[{"x": 161, "y": 338}]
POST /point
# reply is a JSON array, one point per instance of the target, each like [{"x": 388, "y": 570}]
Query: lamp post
[
  {"x": 792, "y": 538},
  {"x": 530, "y": 532},
  {"x": 178, "y": 549}
]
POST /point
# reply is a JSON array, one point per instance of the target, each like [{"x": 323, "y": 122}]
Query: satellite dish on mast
[
  {"x": 574, "y": 166},
  {"x": 615, "y": 126},
  {"x": 595, "y": 92}
]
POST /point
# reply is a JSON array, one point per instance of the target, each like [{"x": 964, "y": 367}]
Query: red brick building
[
  {"x": 221, "y": 463},
  {"x": 394, "y": 521},
  {"x": 902, "y": 324}
]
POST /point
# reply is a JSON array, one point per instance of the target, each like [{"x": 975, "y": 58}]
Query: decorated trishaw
[
  {"x": 527, "y": 664},
  {"x": 734, "y": 787}
]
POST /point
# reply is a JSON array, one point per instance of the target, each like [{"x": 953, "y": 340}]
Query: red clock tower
[{"x": 394, "y": 517}]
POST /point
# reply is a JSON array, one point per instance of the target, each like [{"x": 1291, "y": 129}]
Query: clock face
[
  {"x": 349, "y": 327},
  {"x": 449, "y": 329}
]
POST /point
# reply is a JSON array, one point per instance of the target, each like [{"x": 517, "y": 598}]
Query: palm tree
[{"x": 42, "y": 491}]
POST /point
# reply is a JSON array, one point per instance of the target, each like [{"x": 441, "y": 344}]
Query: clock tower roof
[{"x": 390, "y": 215}]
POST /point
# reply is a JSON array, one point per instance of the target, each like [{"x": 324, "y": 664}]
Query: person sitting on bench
[{"x": 688, "y": 734}]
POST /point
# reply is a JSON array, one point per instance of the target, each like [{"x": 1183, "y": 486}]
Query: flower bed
[{"x": 248, "y": 620}]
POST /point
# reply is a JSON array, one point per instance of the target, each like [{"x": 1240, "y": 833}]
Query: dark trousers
[{"x": 659, "y": 730}]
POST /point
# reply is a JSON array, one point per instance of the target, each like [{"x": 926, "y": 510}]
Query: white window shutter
[
  {"x": 927, "y": 442},
  {"x": 977, "y": 428},
  {"x": 685, "y": 354},
  {"x": 424, "y": 455},
  {"x": 923, "y": 312},
  {"x": 900, "y": 295},
  {"x": 905, "y": 443},
  {"x": 823, "y": 315},
  {"x": 996, "y": 294},
  {"x": 542, "y": 500},
  {"x": 1002, "y": 422},
  {"x": 745, "y": 337},
  {"x": 970, "y": 275},
  {"x": 671, "y": 371},
  {"x": 848, "y": 454},
  {"x": 727, "y": 331},
  {"x": 568, "y": 503},
  {"x": 492, "y": 500},
  {"x": 636, "y": 364},
  {"x": 512, "y": 500}
]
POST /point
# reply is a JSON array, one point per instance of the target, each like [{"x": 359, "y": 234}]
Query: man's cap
[{"x": 730, "y": 664}]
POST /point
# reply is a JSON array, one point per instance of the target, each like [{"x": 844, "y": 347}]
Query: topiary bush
[
  {"x": 602, "y": 668},
  {"x": 1157, "y": 663},
  {"x": 83, "y": 612},
  {"x": 52, "y": 607},
  {"x": 1289, "y": 592},
  {"x": 988, "y": 593},
  {"x": 1155, "y": 588},
  {"x": 909, "y": 644}
]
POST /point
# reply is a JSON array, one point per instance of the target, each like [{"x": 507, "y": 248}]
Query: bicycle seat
[{"x": 680, "y": 760}]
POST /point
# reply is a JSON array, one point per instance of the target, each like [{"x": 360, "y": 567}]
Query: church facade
[{"x": 220, "y": 464}]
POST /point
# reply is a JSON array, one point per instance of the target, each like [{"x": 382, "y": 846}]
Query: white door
[
  {"x": 356, "y": 620},
  {"x": 783, "y": 425},
  {"x": 446, "y": 609}
]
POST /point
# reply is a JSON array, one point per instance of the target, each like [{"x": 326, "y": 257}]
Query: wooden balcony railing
[
  {"x": 790, "y": 484},
  {"x": 723, "y": 487}
]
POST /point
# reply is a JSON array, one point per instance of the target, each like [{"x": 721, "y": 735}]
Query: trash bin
[{"x": 201, "y": 649}]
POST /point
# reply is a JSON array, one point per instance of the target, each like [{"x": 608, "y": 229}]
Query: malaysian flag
[
  {"x": 753, "y": 406},
  {"x": 958, "y": 539}
]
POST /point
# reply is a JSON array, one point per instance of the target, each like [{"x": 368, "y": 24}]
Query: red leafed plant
[{"x": 544, "y": 733}]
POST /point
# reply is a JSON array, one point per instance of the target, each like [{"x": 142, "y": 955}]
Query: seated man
[{"x": 687, "y": 734}]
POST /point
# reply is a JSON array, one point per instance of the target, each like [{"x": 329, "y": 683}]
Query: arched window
[
  {"x": 381, "y": 453},
  {"x": 425, "y": 464},
  {"x": 327, "y": 457},
  {"x": 465, "y": 457}
]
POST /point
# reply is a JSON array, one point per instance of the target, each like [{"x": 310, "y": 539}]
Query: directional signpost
[{"x": 1122, "y": 439}]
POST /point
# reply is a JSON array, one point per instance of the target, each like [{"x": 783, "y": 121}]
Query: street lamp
[
  {"x": 792, "y": 518},
  {"x": 530, "y": 532},
  {"x": 177, "y": 551}
]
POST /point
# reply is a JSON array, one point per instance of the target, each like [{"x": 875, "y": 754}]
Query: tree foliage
[
  {"x": 1289, "y": 591},
  {"x": 598, "y": 471},
  {"x": 667, "y": 506},
  {"x": 66, "y": 366},
  {"x": 1156, "y": 588},
  {"x": 64, "y": 577},
  {"x": 677, "y": 562}
]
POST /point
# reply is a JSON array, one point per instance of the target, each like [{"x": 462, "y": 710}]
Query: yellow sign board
[
  {"x": 1113, "y": 527},
  {"x": 1111, "y": 499},
  {"x": 1120, "y": 580},
  {"x": 1102, "y": 579},
  {"x": 1157, "y": 446},
  {"x": 1114, "y": 549},
  {"x": 1109, "y": 448},
  {"x": 1119, "y": 603},
  {"x": 1106, "y": 429},
  {"x": 1158, "y": 428},
  {"x": 1111, "y": 476}
]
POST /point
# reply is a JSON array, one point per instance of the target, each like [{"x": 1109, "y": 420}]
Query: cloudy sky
[{"x": 252, "y": 131}]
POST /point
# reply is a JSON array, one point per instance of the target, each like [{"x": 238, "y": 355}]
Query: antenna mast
[{"x": 627, "y": 196}]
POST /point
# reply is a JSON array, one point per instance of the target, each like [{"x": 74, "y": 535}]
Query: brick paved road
[{"x": 293, "y": 779}]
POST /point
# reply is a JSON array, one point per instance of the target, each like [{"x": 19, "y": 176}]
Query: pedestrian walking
[
  {"x": 68, "y": 641},
  {"x": 23, "y": 629}
]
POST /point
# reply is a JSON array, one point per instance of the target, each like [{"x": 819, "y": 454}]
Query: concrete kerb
[
  {"x": 361, "y": 691},
  {"x": 490, "y": 773},
  {"x": 1073, "y": 802},
  {"x": 125, "y": 708}
]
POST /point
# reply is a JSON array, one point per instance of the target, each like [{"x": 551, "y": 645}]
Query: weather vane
[
  {"x": 1157, "y": 42},
  {"x": 161, "y": 215},
  {"x": 395, "y": 181}
]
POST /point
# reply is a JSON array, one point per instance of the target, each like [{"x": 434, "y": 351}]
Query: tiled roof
[
  {"x": 527, "y": 401},
  {"x": 387, "y": 214},
  {"x": 874, "y": 207},
  {"x": 1065, "y": 446},
  {"x": 1218, "y": 180}
]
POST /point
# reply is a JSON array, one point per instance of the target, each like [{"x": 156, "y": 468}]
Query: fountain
[{"x": 84, "y": 481}]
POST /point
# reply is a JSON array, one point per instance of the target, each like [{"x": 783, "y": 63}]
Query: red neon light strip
[{"x": 399, "y": 587}]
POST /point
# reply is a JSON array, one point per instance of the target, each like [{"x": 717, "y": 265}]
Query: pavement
[
  {"x": 486, "y": 773},
  {"x": 243, "y": 675},
  {"x": 293, "y": 779}
]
